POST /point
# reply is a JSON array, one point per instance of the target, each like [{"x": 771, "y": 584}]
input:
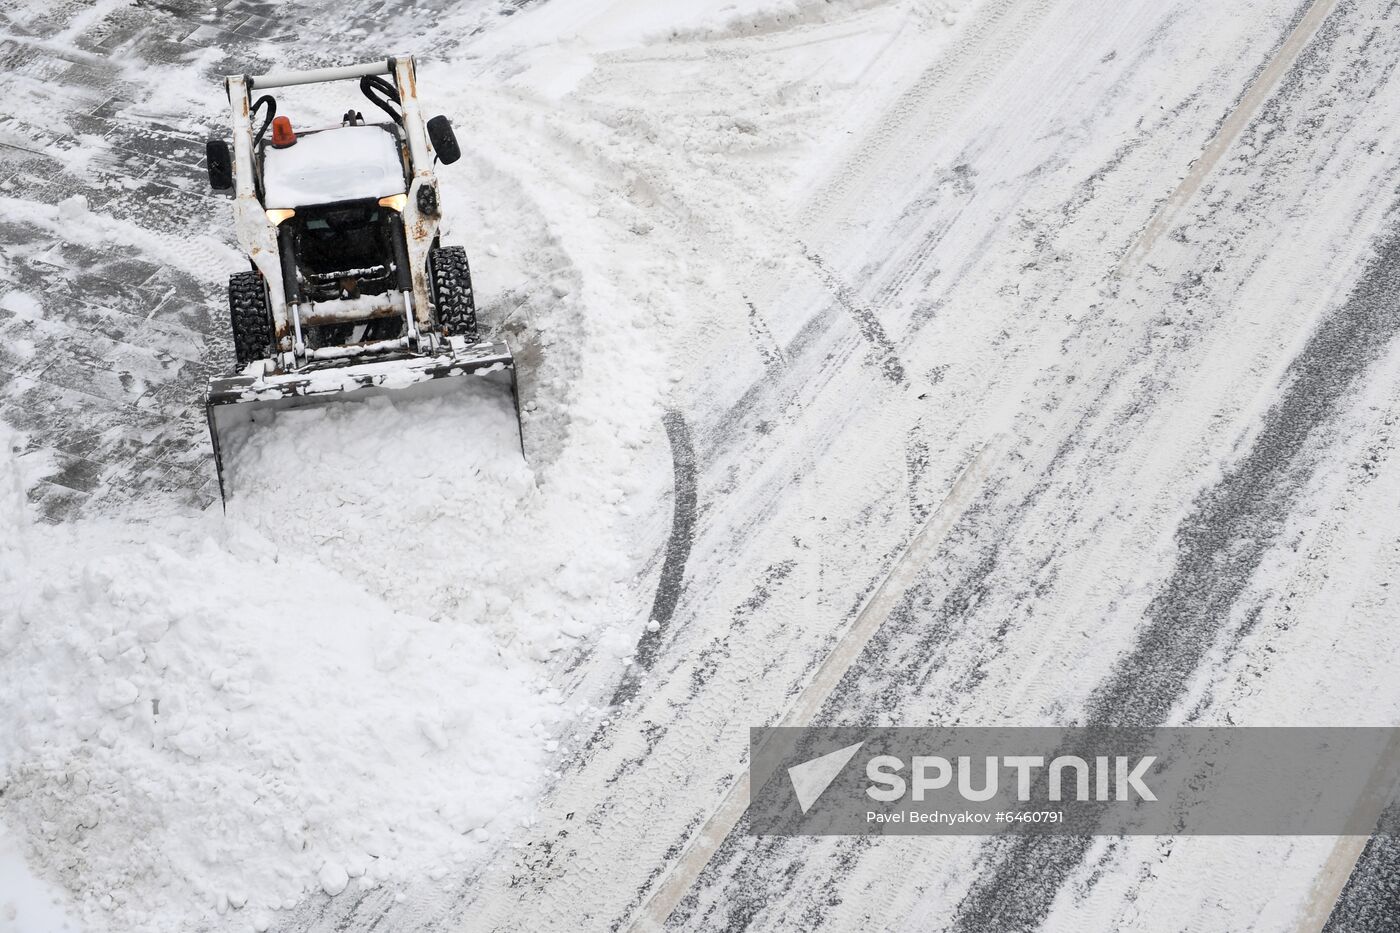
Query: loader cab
[
  {"x": 345, "y": 249},
  {"x": 337, "y": 193}
]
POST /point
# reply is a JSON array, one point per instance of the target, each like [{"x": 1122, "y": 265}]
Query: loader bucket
[{"x": 233, "y": 401}]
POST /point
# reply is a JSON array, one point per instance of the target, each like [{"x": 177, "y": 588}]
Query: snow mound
[
  {"x": 340, "y": 685},
  {"x": 344, "y": 481}
]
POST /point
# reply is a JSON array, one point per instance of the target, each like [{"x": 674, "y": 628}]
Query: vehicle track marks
[
  {"x": 1220, "y": 546},
  {"x": 884, "y": 600},
  {"x": 678, "y": 545},
  {"x": 882, "y": 348},
  {"x": 763, "y": 340},
  {"x": 1253, "y": 98}
]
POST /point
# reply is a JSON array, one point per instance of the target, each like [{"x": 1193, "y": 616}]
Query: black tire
[
  {"x": 252, "y": 322},
  {"x": 452, "y": 291}
]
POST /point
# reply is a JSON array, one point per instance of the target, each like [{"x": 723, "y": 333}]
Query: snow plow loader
[{"x": 350, "y": 291}]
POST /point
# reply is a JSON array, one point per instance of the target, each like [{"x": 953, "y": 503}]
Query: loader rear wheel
[
  {"x": 252, "y": 322},
  {"x": 452, "y": 291}
]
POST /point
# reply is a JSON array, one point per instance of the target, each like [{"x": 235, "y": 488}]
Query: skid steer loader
[{"x": 350, "y": 290}]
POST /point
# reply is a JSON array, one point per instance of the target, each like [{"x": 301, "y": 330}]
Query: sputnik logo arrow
[{"x": 811, "y": 778}]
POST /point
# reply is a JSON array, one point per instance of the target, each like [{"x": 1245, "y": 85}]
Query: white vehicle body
[
  {"x": 385, "y": 169},
  {"x": 296, "y": 175}
]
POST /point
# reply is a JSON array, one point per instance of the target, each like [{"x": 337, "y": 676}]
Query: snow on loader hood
[{"x": 339, "y": 164}]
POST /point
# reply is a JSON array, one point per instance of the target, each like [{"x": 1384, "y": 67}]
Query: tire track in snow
[
  {"x": 763, "y": 340},
  {"x": 886, "y": 599},
  {"x": 1234, "y": 124},
  {"x": 678, "y": 545},
  {"x": 1220, "y": 546},
  {"x": 882, "y": 348},
  {"x": 746, "y": 899}
]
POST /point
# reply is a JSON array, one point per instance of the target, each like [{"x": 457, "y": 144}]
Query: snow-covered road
[{"x": 910, "y": 362}]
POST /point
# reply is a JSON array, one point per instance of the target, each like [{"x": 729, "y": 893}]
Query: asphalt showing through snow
[{"x": 1370, "y": 902}]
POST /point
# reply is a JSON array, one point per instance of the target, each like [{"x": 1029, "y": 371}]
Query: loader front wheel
[
  {"x": 252, "y": 322},
  {"x": 452, "y": 291}
]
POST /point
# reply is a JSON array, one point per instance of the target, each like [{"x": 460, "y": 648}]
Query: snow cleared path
[{"x": 995, "y": 363}]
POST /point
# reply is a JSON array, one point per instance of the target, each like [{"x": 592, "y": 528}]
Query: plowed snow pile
[{"x": 339, "y": 685}]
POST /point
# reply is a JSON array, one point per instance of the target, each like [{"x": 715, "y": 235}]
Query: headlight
[
  {"x": 275, "y": 217},
  {"x": 394, "y": 202}
]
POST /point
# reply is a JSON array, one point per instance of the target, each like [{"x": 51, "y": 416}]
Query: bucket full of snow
[{"x": 235, "y": 403}]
